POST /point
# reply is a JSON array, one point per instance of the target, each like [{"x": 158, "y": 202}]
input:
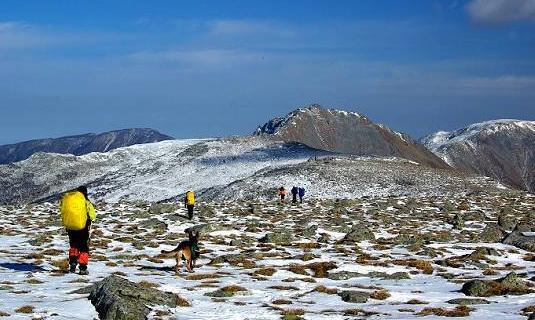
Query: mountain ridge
[
  {"x": 503, "y": 149},
  {"x": 80, "y": 144}
]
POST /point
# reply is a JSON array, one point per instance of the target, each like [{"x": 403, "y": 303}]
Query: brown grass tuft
[
  {"x": 25, "y": 309},
  {"x": 380, "y": 294},
  {"x": 459, "y": 311}
]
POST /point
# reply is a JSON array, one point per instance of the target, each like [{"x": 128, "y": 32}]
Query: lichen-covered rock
[
  {"x": 506, "y": 222},
  {"x": 468, "y": 301},
  {"x": 510, "y": 284},
  {"x": 159, "y": 208},
  {"x": 521, "y": 239},
  {"x": 279, "y": 237},
  {"x": 359, "y": 233},
  {"x": 116, "y": 298},
  {"x": 354, "y": 296},
  {"x": 206, "y": 228},
  {"x": 491, "y": 233}
]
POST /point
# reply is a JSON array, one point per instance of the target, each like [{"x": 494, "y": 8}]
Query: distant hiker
[
  {"x": 294, "y": 191},
  {"x": 189, "y": 202},
  {"x": 301, "y": 192},
  {"x": 282, "y": 193},
  {"x": 77, "y": 213}
]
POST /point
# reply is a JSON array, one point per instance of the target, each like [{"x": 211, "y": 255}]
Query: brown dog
[{"x": 187, "y": 250}]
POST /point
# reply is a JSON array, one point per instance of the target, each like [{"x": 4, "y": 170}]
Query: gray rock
[
  {"x": 506, "y": 222},
  {"x": 468, "y": 301},
  {"x": 510, "y": 284},
  {"x": 206, "y": 228},
  {"x": 116, "y": 298},
  {"x": 280, "y": 237},
  {"x": 354, "y": 296},
  {"x": 396, "y": 276},
  {"x": 159, "y": 208},
  {"x": 519, "y": 240},
  {"x": 153, "y": 223},
  {"x": 491, "y": 233},
  {"x": 324, "y": 238},
  {"x": 344, "y": 275},
  {"x": 310, "y": 232},
  {"x": 358, "y": 234}
]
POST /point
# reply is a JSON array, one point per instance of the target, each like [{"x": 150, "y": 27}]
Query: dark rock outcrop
[
  {"x": 80, "y": 144},
  {"x": 346, "y": 132},
  {"x": 116, "y": 298}
]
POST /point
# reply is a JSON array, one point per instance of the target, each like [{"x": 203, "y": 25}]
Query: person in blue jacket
[{"x": 301, "y": 192}]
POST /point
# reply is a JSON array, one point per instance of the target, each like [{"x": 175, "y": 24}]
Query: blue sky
[{"x": 219, "y": 68}]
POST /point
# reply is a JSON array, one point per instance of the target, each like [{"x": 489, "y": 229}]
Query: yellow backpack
[
  {"x": 190, "y": 198},
  {"x": 73, "y": 210}
]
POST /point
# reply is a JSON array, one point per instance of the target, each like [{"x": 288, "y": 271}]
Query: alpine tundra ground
[{"x": 384, "y": 258}]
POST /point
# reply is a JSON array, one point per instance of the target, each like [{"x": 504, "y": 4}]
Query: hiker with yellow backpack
[
  {"x": 189, "y": 202},
  {"x": 77, "y": 213}
]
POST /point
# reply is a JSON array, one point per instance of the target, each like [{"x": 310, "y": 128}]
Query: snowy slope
[
  {"x": 223, "y": 169},
  {"x": 502, "y": 149},
  {"x": 148, "y": 172}
]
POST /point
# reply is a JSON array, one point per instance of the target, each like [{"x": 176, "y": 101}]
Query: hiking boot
[
  {"x": 72, "y": 267},
  {"x": 83, "y": 272}
]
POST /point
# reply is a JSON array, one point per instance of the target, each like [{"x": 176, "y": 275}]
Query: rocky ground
[{"x": 385, "y": 258}]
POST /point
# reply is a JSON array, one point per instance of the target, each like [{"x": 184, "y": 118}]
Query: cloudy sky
[{"x": 218, "y": 68}]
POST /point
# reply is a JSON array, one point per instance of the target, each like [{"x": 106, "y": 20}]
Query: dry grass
[
  {"x": 34, "y": 281},
  {"x": 490, "y": 272},
  {"x": 202, "y": 276},
  {"x": 459, "y": 311},
  {"x": 380, "y": 294},
  {"x": 267, "y": 271},
  {"x": 324, "y": 289},
  {"x": 233, "y": 289},
  {"x": 4, "y": 314},
  {"x": 416, "y": 301},
  {"x": 182, "y": 302},
  {"x": 292, "y": 314},
  {"x": 25, "y": 309},
  {"x": 298, "y": 268},
  {"x": 321, "y": 269},
  {"x": 62, "y": 264},
  {"x": 281, "y": 301},
  {"x": 147, "y": 284},
  {"x": 359, "y": 313},
  {"x": 422, "y": 265}
]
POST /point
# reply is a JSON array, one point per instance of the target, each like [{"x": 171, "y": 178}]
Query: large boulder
[
  {"x": 510, "y": 284},
  {"x": 491, "y": 233},
  {"x": 522, "y": 237},
  {"x": 116, "y": 298}
]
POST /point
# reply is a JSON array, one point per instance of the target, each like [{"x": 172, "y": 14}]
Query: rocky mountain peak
[{"x": 345, "y": 132}]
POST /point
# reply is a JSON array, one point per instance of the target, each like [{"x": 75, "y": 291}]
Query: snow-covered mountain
[
  {"x": 348, "y": 133},
  {"x": 501, "y": 149},
  {"x": 80, "y": 144},
  {"x": 224, "y": 169}
]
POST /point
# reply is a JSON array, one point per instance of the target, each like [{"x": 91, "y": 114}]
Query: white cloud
[{"x": 501, "y": 11}]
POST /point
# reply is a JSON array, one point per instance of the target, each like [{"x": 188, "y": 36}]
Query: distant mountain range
[
  {"x": 80, "y": 144},
  {"x": 332, "y": 153},
  {"x": 347, "y": 133},
  {"x": 500, "y": 149}
]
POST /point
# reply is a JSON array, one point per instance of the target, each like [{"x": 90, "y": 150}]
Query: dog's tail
[{"x": 170, "y": 252}]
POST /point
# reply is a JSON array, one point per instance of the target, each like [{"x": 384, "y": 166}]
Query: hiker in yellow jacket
[
  {"x": 77, "y": 213},
  {"x": 189, "y": 202}
]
